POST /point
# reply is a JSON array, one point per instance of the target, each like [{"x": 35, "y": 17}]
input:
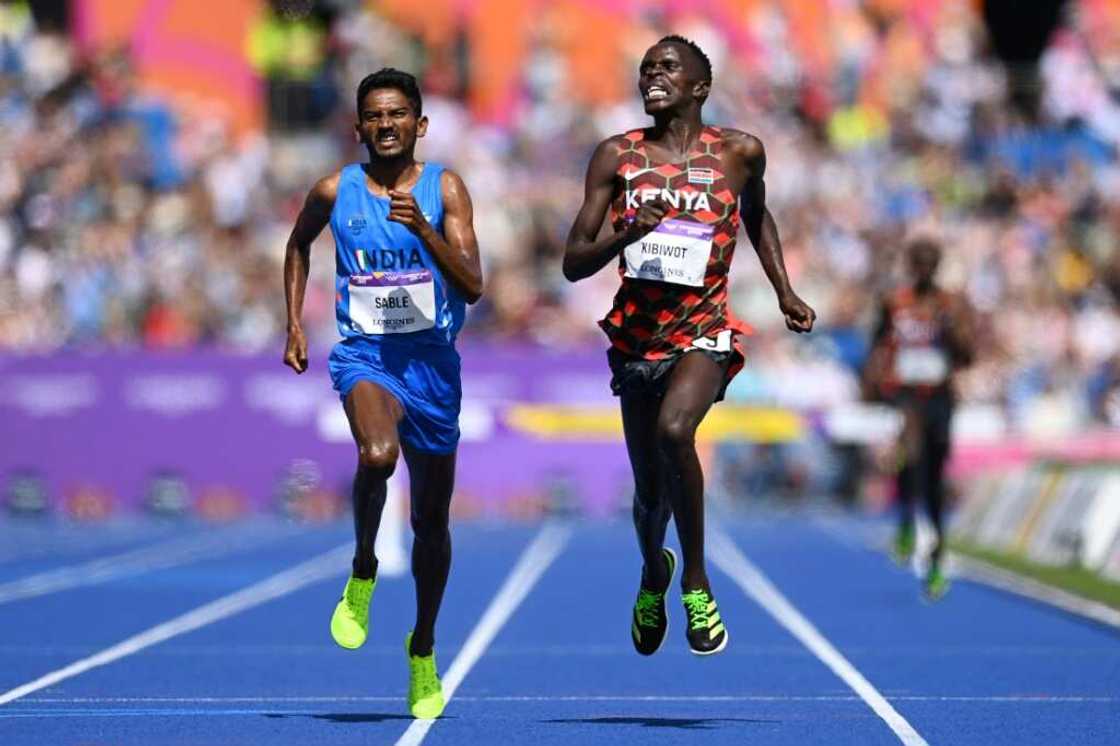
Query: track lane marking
[
  {"x": 1014, "y": 699},
  {"x": 22, "y": 543},
  {"x": 875, "y": 539},
  {"x": 328, "y": 564},
  {"x": 530, "y": 567},
  {"x": 161, "y": 555},
  {"x": 729, "y": 558},
  {"x": 990, "y": 575}
]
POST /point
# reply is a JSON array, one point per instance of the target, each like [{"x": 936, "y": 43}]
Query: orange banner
[{"x": 183, "y": 50}]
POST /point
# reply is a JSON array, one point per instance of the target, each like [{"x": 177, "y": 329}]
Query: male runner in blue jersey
[{"x": 407, "y": 265}]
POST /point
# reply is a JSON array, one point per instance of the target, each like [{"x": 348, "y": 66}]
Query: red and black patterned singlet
[
  {"x": 918, "y": 359},
  {"x": 655, "y": 320}
]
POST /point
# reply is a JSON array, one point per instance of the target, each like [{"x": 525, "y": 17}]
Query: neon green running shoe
[
  {"x": 904, "y": 542},
  {"x": 425, "y": 693},
  {"x": 936, "y": 585},
  {"x": 350, "y": 622},
  {"x": 706, "y": 633},
  {"x": 651, "y": 619}
]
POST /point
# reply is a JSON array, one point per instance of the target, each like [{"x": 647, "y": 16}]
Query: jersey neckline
[
  {"x": 643, "y": 140},
  {"x": 365, "y": 183}
]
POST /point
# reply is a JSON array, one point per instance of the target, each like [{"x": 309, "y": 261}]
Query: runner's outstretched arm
[
  {"x": 583, "y": 254},
  {"x": 314, "y": 216},
  {"x": 763, "y": 233},
  {"x": 456, "y": 252}
]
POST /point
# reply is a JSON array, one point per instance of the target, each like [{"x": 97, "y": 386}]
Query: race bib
[
  {"x": 677, "y": 251},
  {"x": 393, "y": 302},
  {"x": 921, "y": 366},
  {"x": 719, "y": 343}
]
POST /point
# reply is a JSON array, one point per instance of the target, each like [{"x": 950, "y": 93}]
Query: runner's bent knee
[
  {"x": 676, "y": 429},
  {"x": 379, "y": 456}
]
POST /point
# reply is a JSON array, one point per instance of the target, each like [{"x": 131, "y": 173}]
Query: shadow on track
[
  {"x": 345, "y": 717},
  {"x": 652, "y": 722}
]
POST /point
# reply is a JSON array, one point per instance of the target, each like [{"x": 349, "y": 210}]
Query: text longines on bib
[{"x": 392, "y": 302}]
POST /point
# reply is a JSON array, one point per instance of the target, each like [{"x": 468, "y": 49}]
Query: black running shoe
[
  {"x": 706, "y": 633},
  {"x": 651, "y": 619}
]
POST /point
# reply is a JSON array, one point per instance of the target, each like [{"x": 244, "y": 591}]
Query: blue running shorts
[{"x": 425, "y": 379}]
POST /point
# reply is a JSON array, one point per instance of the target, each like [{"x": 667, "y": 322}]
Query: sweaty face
[
  {"x": 387, "y": 123},
  {"x": 667, "y": 77}
]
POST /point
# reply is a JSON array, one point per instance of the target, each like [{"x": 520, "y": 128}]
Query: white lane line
[
  {"x": 755, "y": 584},
  {"x": 1015, "y": 699},
  {"x": 159, "y": 556},
  {"x": 317, "y": 568},
  {"x": 536, "y": 558},
  {"x": 66, "y": 541},
  {"x": 744, "y": 649},
  {"x": 389, "y": 546},
  {"x": 876, "y": 539}
]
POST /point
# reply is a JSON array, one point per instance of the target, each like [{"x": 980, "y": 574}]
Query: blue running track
[{"x": 981, "y": 667}]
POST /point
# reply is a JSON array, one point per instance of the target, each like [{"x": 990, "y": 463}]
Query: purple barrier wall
[{"x": 230, "y": 428}]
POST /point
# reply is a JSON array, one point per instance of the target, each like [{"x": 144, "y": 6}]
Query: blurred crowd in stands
[{"x": 130, "y": 219}]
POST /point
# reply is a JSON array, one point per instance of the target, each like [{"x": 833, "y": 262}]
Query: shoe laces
[
  {"x": 424, "y": 679},
  {"x": 357, "y": 598},
  {"x": 648, "y": 608},
  {"x": 697, "y": 603}
]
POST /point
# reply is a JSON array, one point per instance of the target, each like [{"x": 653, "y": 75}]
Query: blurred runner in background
[
  {"x": 923, "y": 335},
  {"x": 676, "y": 192},
  {"x": 407, "y": 265}
]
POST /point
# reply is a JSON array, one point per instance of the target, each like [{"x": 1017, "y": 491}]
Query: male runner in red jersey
[
  {"x": 923, "y": 335},
  {"x": 676, "y": 193}
]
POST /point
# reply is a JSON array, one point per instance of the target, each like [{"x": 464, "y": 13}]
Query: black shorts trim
[{"x": 635, "y": 375}]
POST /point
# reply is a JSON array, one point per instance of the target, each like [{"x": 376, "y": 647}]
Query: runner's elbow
[
  {"x": 472, "y": 291},
  {"x": 572, "y": 272},
  {"x": 296, "y": 251}
]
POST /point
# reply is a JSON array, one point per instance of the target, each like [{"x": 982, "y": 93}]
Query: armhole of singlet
[
  {"x": 639, "y": 144},
  {"x": 345, "y": 175},
  {"x": 435, "y": 184},
  {"x": 718, "y": 133},
  {"x": 352, "y": 177},
  {"x": 635, "y": 146}
]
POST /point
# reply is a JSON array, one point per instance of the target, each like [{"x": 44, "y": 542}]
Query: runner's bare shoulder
[
  {"x": 609, "y": 150},
  {"x": 325, "y": 191},
  {"x": 745, "y": 145},
  {"x": 453, "y": 188},
  {"x": 957, "y": 302},
  {"x": 614, "y": 143}
]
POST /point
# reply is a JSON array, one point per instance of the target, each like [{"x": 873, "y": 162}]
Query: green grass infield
[{"x": 1077, "y": 580}]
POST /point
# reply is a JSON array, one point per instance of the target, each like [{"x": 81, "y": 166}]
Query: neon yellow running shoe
[
  {"x": 650, "y": 618},
  {"x": 350, "y": 622},
  {"x": 706, "y": 632},
  {"x": 904, "y": 543},
  {"x": 425, "y": 693},
  {"x": 936, "y": 585}
]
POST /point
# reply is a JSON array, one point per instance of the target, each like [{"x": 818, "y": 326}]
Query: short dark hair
[
  {"x": 696, "y": 50},
  {"x": 389, "y": 77}
]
